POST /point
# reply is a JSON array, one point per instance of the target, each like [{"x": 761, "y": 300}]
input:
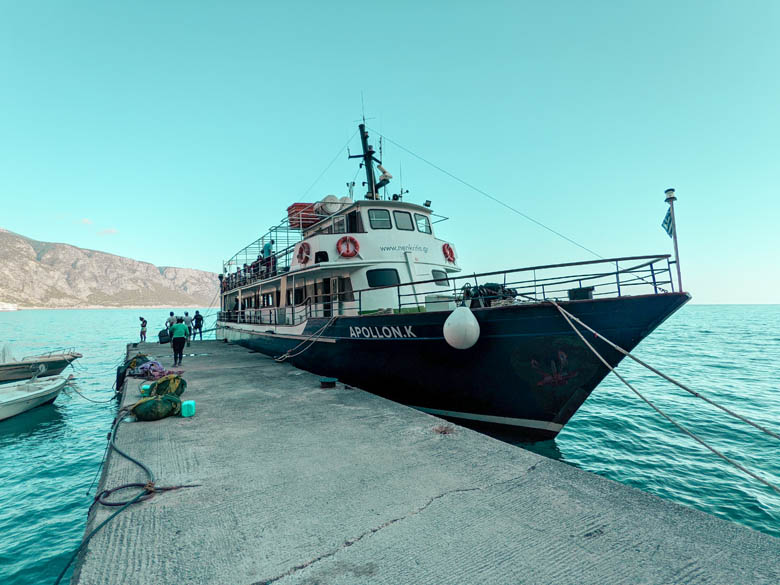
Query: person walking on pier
[
  {"x": 179, "y": 335},
  {"x": 188, "y": 323},
  {"x": 143, "y": 329},
  {"x": 170, "y": 322},
  {"x": 197, "y": 325}
]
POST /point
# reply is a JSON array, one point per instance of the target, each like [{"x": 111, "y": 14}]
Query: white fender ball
[{"x": 461, "y": 329}]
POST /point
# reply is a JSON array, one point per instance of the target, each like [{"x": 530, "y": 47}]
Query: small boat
[
  {"x": 20, "y": 397},
  {"x": 47, "y": 364}
]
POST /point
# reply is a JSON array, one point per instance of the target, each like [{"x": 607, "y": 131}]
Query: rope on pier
[
  {"x": 310, "y": 340},
  {"x": 566, "y": 316}
]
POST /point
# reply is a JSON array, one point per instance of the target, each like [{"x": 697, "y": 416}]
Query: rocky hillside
[{"x": 44, "y": 275}]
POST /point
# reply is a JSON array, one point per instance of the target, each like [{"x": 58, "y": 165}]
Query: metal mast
[{"x": 368, "y": 162}]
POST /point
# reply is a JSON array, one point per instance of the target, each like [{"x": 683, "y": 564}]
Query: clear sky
[{"x": 177, "y": 131}]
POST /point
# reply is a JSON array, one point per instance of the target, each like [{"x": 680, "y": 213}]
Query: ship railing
[
  {"x": 320, "y": 305},
  {"x": 51, "y": 353},
  {"x": 259, "y": 270},
  {"x": 247, "y": 266},
  {"x": 285, "y": 237},
  {"x": 570, "y": 281},
  {"x": 292, "y": 315}
]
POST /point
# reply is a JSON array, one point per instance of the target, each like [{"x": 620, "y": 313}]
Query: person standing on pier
[
  {"x": 143, "y": 329},
  {"x": 197, "y": 323},
  {"x": 188, "y": 323},
  {"x": 170, "y": 321},
  {"x": 179, "y": 335}
]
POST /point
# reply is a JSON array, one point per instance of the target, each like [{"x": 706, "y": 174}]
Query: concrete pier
[{"x": 308, "y": 485}]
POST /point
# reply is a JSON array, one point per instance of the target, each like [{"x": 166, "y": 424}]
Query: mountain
[{"x": 37, "y": 274}]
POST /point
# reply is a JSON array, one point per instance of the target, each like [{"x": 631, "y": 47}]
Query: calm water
[{"x": 49, "y": 456}]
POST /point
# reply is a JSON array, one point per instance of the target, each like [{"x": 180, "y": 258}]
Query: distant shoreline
[{"x": 97, "y": 307}]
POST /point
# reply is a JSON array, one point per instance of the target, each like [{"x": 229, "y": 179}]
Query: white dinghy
[{"x": 23, "y": 396}]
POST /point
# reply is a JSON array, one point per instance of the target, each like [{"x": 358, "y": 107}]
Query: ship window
[
  {"x": 379, "y": 219},
  {"x": 440, "y": 277},
  {"x": 423, "y": 225},
  {"x": 403, "y": 220},
  {"x": 382, "y": 277},
  {"x": 340, "y": 225},
  {"x": 299, "y": 295}
]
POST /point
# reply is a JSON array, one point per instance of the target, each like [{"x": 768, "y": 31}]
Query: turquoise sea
[{"x": 49, "y": 456}]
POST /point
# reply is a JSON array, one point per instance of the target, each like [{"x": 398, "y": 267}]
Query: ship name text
[{"x": 404, "y": 331}]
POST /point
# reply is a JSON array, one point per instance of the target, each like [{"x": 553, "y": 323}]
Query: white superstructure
[{"x": 364, "y": 246}]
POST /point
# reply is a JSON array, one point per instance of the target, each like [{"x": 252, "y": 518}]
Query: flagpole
[{"x": 670, "y": 199}]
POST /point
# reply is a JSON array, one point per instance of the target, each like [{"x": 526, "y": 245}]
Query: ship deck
[{"x": 301, "y": 484}]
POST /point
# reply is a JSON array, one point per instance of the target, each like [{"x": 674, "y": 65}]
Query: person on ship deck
[
  {"x": 255, "y": 266},
  {"x": 269, "y": 260}
]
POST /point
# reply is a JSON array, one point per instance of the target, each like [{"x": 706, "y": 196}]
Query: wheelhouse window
[
  {"x": 440, "y": 277},
  {"x": 403, "y": 220},
  {"x": 382, "y": 277},
  {"x": 423, "y": 224},
  {"x": 340, "y": 225},
  {"x": 379, "y": 219}
]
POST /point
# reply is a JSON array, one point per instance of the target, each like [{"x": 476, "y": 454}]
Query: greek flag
[{"x": 667, "y": 223}]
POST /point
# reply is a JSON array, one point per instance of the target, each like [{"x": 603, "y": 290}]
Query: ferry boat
[{"x": 363, "y": 290}]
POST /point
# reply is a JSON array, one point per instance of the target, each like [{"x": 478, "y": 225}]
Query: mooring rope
[
  {"x": 310, "y": 340},
  {"x": 72, "y": 386},
  {"x": 97, "y": 471},
  {"x": 744, "y": 419},
  {"x": 735, "y": 464}
]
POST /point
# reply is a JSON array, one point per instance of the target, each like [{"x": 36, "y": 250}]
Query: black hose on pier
[{"x": 148, "y": 490}]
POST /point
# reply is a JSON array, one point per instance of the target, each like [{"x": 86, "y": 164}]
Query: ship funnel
[{"x": 461, "y": 329}]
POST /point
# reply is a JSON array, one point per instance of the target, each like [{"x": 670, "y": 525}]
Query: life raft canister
[
  {"x": 304, "y": 253},
  {"x": 449, "y": 253},
  {"x": 347, "y": 247}
]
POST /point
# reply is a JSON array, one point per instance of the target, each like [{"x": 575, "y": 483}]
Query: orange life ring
[
  {"x": 348, "y": 247},
  {"x": 304, "y": 253},
  {"x": 449, "y": 253}
]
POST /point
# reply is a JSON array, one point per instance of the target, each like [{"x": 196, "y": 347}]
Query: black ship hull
[{"x": 527, "y": 374}]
